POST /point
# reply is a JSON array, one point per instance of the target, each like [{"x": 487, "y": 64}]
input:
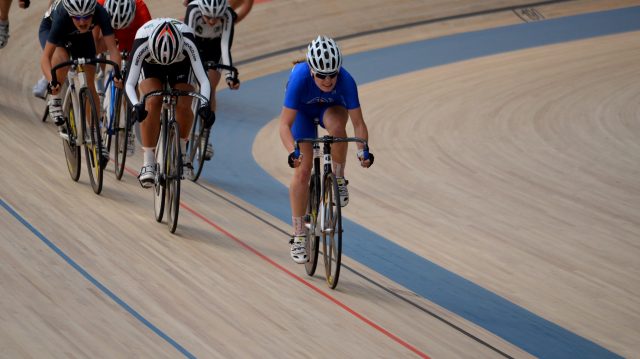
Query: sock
[
  {"x": 149, "y": 156},
  {"x": 183, "y": 146},
  {"x": 338, "y": 169},
  {"x": 298, "y": 226}
]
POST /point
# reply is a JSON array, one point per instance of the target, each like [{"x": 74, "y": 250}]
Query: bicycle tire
[
  {"x": 332, "y": 231},
  {"x": 159, "y": 187},
  {"x": 197, "y": 145},
  {"x": 70, "y": 144},
  {"x": 173, "y": 177},
  {"x": 122, "y": 130},
  {"x": 313, "y": 240},
  {"x": 93, "y": 148}
]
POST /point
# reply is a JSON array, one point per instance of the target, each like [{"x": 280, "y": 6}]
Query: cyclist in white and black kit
[
  {"x": 164, "y": 51},
  {"x": 212, "y": 22}
]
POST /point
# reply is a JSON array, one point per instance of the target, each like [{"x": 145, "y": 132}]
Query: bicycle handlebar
[
  {"x": 212, "y": 65},
  {"x": 174, "y": 93},
  {"x": 329, "y": 140},
  {"x": 83, "y": 61}
]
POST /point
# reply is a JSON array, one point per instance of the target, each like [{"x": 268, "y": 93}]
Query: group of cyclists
[{"x": 168, "y": 51}]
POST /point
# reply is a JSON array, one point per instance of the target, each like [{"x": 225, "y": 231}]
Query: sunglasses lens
[{"x": 322, "y": 77}]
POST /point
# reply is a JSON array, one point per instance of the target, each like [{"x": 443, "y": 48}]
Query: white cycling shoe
[
  {"x": 147, "y": 176},
  {"x": 40, "y": 88},
  {"x": 343, "y": 191},
  {"x": 298, "y": 249}
]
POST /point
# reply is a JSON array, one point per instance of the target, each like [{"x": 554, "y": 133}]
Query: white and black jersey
[
  {"x": 141, "y": 56},
  {"x": 214, "y": 42}
]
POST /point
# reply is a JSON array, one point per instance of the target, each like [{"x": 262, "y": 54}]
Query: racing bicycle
[
  {"x": 81, "y": 124},
  {"x": 323, "y": 217}
]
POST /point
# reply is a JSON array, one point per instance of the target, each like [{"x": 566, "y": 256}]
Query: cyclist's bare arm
[
  {"x": 241, "y": 7},
  {"x": 114, "y": 54},
  {"x": 287, "y": 117},
  {"x": 359, "y": 127},
  {"x": 45, "y": 60}
]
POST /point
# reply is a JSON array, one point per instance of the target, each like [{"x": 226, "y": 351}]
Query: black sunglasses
[
  {"x": 80, "y": 18},
  {"x": 322, "y": 77}
]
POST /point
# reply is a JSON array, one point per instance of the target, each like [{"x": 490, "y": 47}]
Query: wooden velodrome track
[{"x": 516, "y": 171}]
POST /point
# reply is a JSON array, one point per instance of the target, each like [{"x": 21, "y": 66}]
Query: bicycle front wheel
[
  {"x": 174, "y": 173},
  {"x": 70, "y": 143},
  {"x": 93, "y": 146},
  {"x": 331, "y": 230},
  {"x": 311, "y": 219},
  {"x": 122, "y": 127},
  {"x": 197, "y": 146},
  {"x": 159, "y": 187}
]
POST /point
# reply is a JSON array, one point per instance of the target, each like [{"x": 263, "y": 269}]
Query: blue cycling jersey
[{"x": 302, "y": 94}]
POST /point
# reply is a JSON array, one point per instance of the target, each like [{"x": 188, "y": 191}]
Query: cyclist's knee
[{"x": 302, "y": 174}]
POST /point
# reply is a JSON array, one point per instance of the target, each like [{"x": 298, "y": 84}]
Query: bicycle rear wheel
[
  {"x": 332, "y": 230},
  {"x": 312, "y": 217},
  {"x": 93, "y": 147},
  {"x": 174, "y": 175},
  {"x": 159, "y": 187},
  {"x": 70, "y": 144},
  {"x": 197, "y": 146},
  {"x": 122, "y": 127}
]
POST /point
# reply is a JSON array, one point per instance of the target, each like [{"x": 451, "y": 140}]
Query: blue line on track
[
  {"x": 242, "y": 114},
  {"x": 95, "y": 282}
]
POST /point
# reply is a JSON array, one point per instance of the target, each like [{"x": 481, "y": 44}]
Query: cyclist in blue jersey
[{"x": 322, "y": 89}]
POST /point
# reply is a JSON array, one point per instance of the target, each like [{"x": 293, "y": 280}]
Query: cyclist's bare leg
[
  {"x": 184, "y": 114},
  {"x": 5, "y": 5},
  {"x": 335, "y": 122},
  {"x": 299, "y": 186},
  {"x": 60, "y": 55},
  {"x": 214, "y": 79},
  {"x": 150, "y": 127},
  {"x": 90, "y": 72}
]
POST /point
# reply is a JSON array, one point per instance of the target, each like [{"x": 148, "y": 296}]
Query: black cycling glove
[
  {"x": 139, "y": 113},
  {"x": 207, "y": 115}
]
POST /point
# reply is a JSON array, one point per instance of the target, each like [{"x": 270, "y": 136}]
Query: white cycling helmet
[
  {"x": 212, "y": 8},
  {"x": 122, "y": 12},
  {"x": 165, "y": 42},
  {"x": 79, "y": 7},
  {"x": 323, "y": 56}
]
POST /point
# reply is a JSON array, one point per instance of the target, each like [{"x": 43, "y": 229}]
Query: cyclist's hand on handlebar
[
  {"x": 138, "y": 114},
  {"x": 118, "y": 82},
  {"x": 294, "y": 159},
  {"x": 207, "y": 115},
  {"x": 366, "y": 158},
  {"x": 54, "y": 87},
  {"x": 233, "y": 82}
]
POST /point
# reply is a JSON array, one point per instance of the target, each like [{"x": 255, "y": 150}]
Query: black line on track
[
  {"x": 386, "y": 289},
  {"x": 404, "y": 26}
]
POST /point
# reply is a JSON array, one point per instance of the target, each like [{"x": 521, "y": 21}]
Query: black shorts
[
  {"x": 209, "y": 49},
  {"x": 77, "y": 45},
  {"x": 176, "y": 73}
]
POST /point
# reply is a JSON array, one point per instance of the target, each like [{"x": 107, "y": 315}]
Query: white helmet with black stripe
[
  {"x": 323, "y": 55},
  {"x": 79, "y": 7},
  {"x": 212, "y": 8},
  {"x": 165, "y": 42},
  {"x": 122, "y": 12}
]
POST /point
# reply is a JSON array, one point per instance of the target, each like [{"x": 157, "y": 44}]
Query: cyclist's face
[
  {"x": 210, "y": 20},
  {"x": 327, "y": 84},
  {"x": 83, "y": 24}
]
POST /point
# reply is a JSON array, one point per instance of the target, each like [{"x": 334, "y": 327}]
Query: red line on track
[{"x": 308, "y": 284}]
